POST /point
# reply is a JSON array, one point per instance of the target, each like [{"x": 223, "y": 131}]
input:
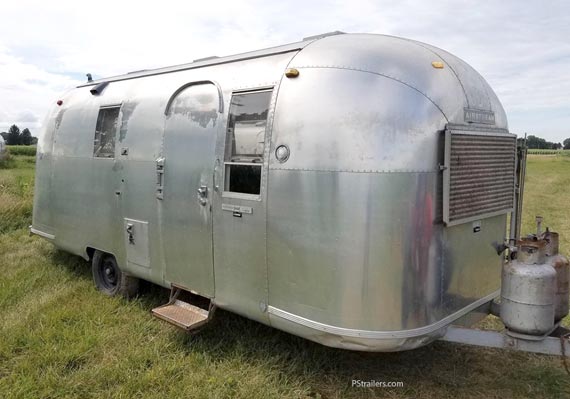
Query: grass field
[
  {"x": 28, "y": 150},
  {"x": 549, "y": 152},
  {"x": 60, "y": 338}
]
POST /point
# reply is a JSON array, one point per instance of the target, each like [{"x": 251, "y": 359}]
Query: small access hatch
[{"x": 136, "y": 242}]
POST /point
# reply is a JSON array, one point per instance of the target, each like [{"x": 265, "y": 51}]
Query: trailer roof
[{"x": 208, "y": 61}]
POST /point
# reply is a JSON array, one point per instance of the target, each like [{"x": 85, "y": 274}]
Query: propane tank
[
  {"x": 562, "y": 268},
  {"x": 528, "y": 290}
]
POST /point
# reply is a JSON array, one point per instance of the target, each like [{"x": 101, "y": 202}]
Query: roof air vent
[
  {"x": 213, "y": 57},
  {"x": 315, "y": 37},
  {"x": 98, "y": 89}
]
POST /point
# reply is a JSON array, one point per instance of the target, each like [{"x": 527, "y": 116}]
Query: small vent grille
[{"x": 479, "y": 178}]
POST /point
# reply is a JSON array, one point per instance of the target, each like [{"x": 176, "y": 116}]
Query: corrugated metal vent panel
[{"x": 479, "y": 178}]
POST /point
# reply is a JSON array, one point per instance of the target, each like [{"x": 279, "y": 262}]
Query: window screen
[
  {"x": 245, "y": 141},
  {"x": 104, "y": 143}
]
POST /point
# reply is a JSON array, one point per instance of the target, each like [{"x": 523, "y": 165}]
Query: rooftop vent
[
  {"x": 213, "y": 57},
  {"x": 98, "y": 89},
  {"x": 336, "y": 32}
]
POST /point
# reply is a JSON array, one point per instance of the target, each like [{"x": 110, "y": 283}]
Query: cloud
[
  {"x": 26, "y": 92},
  {"x": 522, "y": 49}
]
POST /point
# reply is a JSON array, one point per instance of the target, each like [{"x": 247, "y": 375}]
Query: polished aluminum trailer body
[
  {"x": 347, "y": 242},
  {"x": 2, "y": 148}
]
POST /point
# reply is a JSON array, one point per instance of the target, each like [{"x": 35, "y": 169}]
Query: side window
[
  {"x": 105, "y": 130},
  {"x": 245, "y": 140}
]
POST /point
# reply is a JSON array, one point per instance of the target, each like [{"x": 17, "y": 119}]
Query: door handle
[
  {"x": 203, "y": 195},
  {"x": 130, "y": 233},
  {"x": 216, "y": 177},
  {"x": 160, "y": 178}
]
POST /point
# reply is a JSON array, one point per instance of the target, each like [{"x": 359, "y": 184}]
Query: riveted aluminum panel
[
  {"x": 478, "y": 94},
  {"x": 355, "y": 236},
  {"x": 406, "y": 62},
  {"x": 479, "y": 174},
  {"x": 379, "y": 130}
]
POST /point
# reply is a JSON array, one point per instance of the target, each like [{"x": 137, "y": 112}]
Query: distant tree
[
  {"x": 557, "y": 146},
  {"x": 535, "y": 142},
  {"x": 26, "y": 137},
  {"x": 540, "y": 143},
  {"x": 567, "y": 144},
  {"x": 4, "y": 135},
  {"x": 13, "y": 135}
]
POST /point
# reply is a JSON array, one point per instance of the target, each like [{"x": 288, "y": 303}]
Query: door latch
[
  {"x": 131, "y": 233},
  {"x": 160, "y": 178},
  {"x": 203, "y": 195}
]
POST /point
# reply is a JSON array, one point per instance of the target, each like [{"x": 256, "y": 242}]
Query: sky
[{"x": 522, "y": 48}]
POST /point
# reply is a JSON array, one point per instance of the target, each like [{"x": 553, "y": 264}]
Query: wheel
[{"x": 109, "y": 279}]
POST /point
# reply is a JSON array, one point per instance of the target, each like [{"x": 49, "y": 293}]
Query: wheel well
[{"x": 90, "y": 251}]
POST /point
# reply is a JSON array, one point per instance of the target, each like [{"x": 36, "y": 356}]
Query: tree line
[
  {"x": 16, "y": 137},
  {"x": 539, "y": 143}
]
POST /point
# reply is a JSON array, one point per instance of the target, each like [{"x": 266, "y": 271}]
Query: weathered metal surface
[
  {"x": 561, "y": 298},
  {"x": 496, "y": 339},
  {"x": 552, "y": 246},
  {"x": 520, "y": 171},
  {"x": 527, "y": 291},
  {"x": 182, "y": 314},
  {"x": 346, "y": 232},
  {"x": 562, "y": 266},
  {"x": 136, "y": 242}
]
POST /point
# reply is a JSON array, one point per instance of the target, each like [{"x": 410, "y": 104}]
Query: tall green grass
[
  {"x": 6, "y": 161},
  {"x": 16, "y": 192},
  {"x": 60, "y": 338},
  {"x": 28, "y": 150}
]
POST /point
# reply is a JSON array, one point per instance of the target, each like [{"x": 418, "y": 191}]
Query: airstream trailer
[
  {"x": 2, "y": 148},
  {"x": 352, "y": 189}
]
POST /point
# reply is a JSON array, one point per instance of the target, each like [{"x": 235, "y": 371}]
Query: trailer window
[
  {"x": 245, "y": 141},
  {"x": 105, "y": 130}
]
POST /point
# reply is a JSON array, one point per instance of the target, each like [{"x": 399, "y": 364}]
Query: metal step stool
[{"x": 183, "y": 314}]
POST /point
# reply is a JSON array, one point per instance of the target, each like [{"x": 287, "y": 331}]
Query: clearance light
[
  {"x": 59, "y": 102},
  {"x": 292, "y": 73},
  {"x": 437, "y": 64}
]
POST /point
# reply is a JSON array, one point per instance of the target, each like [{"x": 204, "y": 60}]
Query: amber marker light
[
  {"x": 292, "y": 73},
  {"x": 437, "y": 64}
]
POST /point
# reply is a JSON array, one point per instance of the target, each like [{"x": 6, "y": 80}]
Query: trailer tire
[{"x": 109, "y": 279}]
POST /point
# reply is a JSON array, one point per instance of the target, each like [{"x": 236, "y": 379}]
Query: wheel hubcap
[{"x": 109, "y": 274}]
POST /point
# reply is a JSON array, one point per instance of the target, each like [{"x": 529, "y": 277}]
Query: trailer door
[
  {"x": 240, "y": 205},
  {"x": 193, "y": 116}
]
